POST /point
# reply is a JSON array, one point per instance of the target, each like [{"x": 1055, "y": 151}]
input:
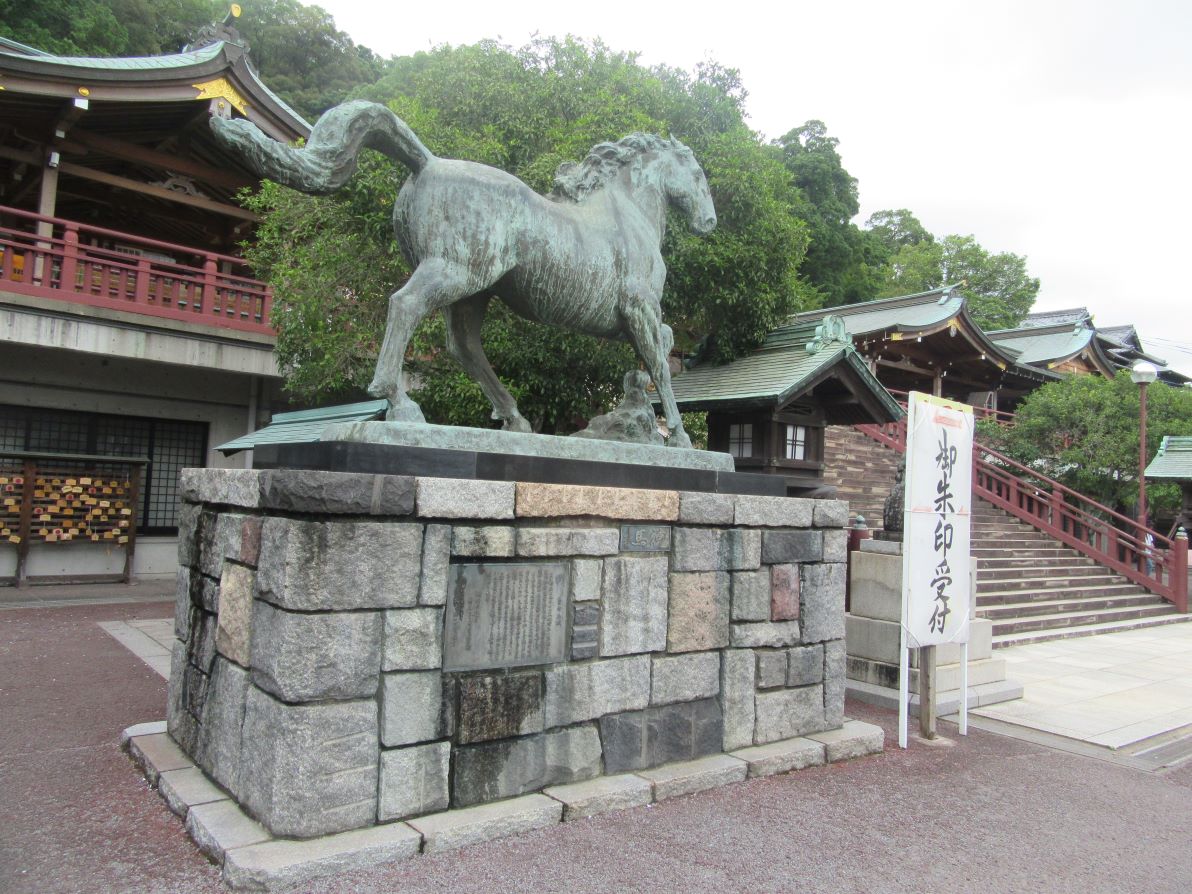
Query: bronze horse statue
[{"x": 585, "y": 258}]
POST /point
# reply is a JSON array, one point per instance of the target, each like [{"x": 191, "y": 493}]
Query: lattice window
[
  {"x": 740, "y": 439},
  {"x": 795, "y": 442},
  {"x": 169, "y": 445}
]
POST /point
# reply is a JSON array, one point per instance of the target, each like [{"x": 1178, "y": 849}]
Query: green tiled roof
[
  {"x": 1039, "y": 348},
  {"x": 305, "y": 426},
  {"x": 924, "y": 310},
  {"x": 1174, "y": 459},
  {"x": 135, "y": 63},
  {"x": 777, "y": 372}
]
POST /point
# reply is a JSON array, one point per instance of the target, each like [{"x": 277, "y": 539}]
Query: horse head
[{"x": 686, "y": 186}]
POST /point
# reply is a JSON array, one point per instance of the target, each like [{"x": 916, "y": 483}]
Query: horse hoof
[
  {"x": 518, "y": 424},
  {"x": 405, "y": 411},
  {"x": 679, "y": 439}
]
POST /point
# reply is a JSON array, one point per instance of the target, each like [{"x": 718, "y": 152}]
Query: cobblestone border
[{"x": 253, "y": 860}]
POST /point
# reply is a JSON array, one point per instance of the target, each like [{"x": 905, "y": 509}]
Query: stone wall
[{"x": 309, "y": 680}]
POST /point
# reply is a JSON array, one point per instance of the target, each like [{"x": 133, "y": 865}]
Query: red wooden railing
[
  {"x": 48, "y": 257},
  {"x": 1116, "y": 541}
]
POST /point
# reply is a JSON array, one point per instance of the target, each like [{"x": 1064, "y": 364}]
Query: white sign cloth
[{"x": 936, "y": 584}]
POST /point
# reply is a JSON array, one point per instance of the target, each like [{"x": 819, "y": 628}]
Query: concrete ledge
[
  {"x": 187, "y": 788},
  {"x": 156, "y": 754},
  {"x": 688, "y": 777},
  {"x": 472, "y": 825},
  {"x": 782, "y": 757},
  {"x": 584, "y": 799},
  {"x": 143, "y": 729},
  {"x": 272, "y": 864},
  {"x": 854, "y": 739},
  {"x": 947, "y": 702},
  {"x": 221, "y": 826}
]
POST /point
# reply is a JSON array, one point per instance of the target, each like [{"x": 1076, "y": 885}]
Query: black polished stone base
[{"x": 385, "y": 459}]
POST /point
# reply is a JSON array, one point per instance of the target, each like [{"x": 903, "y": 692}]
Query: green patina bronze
[{"x": 585, "y": 258}]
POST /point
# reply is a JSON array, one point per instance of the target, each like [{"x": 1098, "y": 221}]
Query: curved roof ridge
[{"x": 130, "y": 63}]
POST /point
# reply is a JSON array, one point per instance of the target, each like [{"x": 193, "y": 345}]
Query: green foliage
[
  {"x": 106, "y": 27},
  {"x": 527, "y": 111},
  {"x": 1083, "y": 431},
  {"x": 302, "y": 56},
  {"x": 895, "y": 229},
  {"x": 843, "y": 262},
  {"x": 999, "y": 290}
]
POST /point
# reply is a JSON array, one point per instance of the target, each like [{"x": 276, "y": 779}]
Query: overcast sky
[{"x": 1055, "y": 130}]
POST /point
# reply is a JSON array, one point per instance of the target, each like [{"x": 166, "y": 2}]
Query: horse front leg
[
  {"x": 652, "y": 340},
  {"x": 434, "y": 284}
]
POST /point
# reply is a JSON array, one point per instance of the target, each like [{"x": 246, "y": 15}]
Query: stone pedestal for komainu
[{"x": 358, "y": 649}]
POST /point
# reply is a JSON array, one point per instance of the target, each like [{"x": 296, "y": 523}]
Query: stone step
[
  {"x": 1044, "y": 571},
  {"x": 994, "y": 563},
  {"x": 1078, "y": 618},
  {"x": 1014, "y": 610},
  {"x": 1042, "y": 594},
  {"x": 1025, "y": 638},
  {"x": 1073, "y": 586},
  {"x": 983, "y": 552}
]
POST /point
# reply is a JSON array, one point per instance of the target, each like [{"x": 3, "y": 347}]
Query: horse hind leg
[
  {"x": 464, "y": 322},
  {"x": 433, "y": 285},
  {"x": 652, "y": 340}
]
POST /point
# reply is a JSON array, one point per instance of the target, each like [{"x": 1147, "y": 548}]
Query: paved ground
[
  {"x": 987, "y": 813},
  {"x": 1113, "y": 690}
]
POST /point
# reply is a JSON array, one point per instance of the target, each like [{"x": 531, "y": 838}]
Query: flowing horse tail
[{"x": 329, "y": 157}]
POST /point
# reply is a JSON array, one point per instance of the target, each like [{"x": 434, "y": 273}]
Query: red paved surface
[{"x": 988, "y": 814}]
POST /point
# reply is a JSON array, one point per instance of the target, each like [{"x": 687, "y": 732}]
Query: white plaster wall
[
  {"x": 8, "y": 560},
  {"x": 155, "y": 557}
]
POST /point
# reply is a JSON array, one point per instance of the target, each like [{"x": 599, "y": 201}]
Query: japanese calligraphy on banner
[{"x": 937, "y": 587}]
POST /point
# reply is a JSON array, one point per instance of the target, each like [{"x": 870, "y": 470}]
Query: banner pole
[
  {"x": 904, "y": 686},
  {"x": 964, "y": 688}
]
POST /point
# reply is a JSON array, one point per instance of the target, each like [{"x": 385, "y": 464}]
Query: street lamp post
[{"x": 1142, "y": 375}]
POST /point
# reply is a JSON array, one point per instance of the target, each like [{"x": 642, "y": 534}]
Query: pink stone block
[
  {"x": 250, "y": 541},
  {"x": 784, "y": 592}
]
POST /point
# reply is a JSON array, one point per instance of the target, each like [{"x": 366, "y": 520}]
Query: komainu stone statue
[{"x": 585, "y": 258}]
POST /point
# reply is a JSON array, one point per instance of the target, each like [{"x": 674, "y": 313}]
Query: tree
[
  {"x": 895, "y": 229},
  {"x": 1083, "y": 432},
  {"x": 333, "y": 262},
  {"x": 998, "y": 288},
  {"x": 843, "y": 262},
  {"x": 105, "y": 27}
]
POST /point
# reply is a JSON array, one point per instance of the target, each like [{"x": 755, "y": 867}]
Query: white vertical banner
[{"x": 937, "y": 510}]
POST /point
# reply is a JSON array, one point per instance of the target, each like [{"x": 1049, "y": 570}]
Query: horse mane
[{"x": 578, "y": 181}]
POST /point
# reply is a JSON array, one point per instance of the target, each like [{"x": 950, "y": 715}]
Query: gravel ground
[{"x": 982, "y": 814}]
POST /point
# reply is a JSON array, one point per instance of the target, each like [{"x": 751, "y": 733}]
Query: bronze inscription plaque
[{"x": 505, "y": 615}]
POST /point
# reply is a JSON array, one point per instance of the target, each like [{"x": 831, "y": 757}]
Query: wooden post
[
  {"x": 68, "y": 275},
  {"x": 134, "y": 500},
  {"x": 25, "y": 530},
  {"x": 927, "y": 692}
]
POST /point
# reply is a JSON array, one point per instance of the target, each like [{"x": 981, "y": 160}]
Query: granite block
[
  {"x": 738, "y": 684},
  {"x": 782, "y": 756},
  {"x": 414, "y": 708},
  {"x": 786, "y": 713},
  {"x": 834, "y": 682},
  {"x": 233, "y": 633},
  {"x": 463, "y": 498},
  {"x": 339, "y": 565},
  {"x": 706, "y": 509},
  {"x": 661, "y": 734},
  {"x": 633, "y": 606},
  {"x": 156, "y": 754},
  {"x": 697, "y": 549},
  {"x": 218, "y": 745},
  {"x": 226, "y": 487},
  {"x": 485, "y": 541},
  {"x": 835, "y": 546},
  {"x": 684, "y": 678},
  {"x": 183, "y": 607},
  {"x": 568, "y": 541},
  {"x": 771, "y": 668},
  {"x": 585, "y": 579},
  {"x": 220, "y": 540},
  {"x": 281, "y": 864},
  {"x": 751, "y": 595},
  {"x": 774, "y": 512},
  {"x": 853, "y": 739},
  {"x": 460, "y": 828},
  {"x": 413, "y": 781},
  {"x": 219, "y": 827},
  {"x": 188, "y": 533},
  {"x": 536, "y": 500},
  {"x": 436, "y": 559},
  {"x": 779, "y": 547},
  {"x": 784, "y": 592},
  {"x": 698, "y": 612},
  {"x": 186, "y": 788},
  {"x": 200, "y": 648},
  {"x": 689, "y": 777},
  {"x": 498, "y": 706},
  {"x": 413, "y": 639},
  {"x": 806, "y": 666},
  {"x": 821, "y": 608},
  {"x": 494, "y": 770},
  {"x": 830, "y": 513},
  {"x": 579, "y": 692},
  {"x": 336, "y": 493},
  {"x": 747, "y": 635},
  {"x": 298, "y": 656},
  {"x": 602, "y": 795},
  {"x": 312, "y": 769},
  {"x": 741, "y": 549}
]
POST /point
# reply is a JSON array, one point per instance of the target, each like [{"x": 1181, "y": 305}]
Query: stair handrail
[{"x": 1138, "y": 553}]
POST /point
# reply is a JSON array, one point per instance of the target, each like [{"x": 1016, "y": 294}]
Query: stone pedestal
[
  {"x": 357, "y": 649},
  {"x": 872, "y": 626}
]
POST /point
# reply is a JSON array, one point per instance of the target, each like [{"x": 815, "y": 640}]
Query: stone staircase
[{"x": 1034, "y": 589}]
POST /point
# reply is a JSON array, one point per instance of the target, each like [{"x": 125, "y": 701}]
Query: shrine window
[
  {"x": 740, "y": 440},
  {"x": 795, "y": 442}
]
